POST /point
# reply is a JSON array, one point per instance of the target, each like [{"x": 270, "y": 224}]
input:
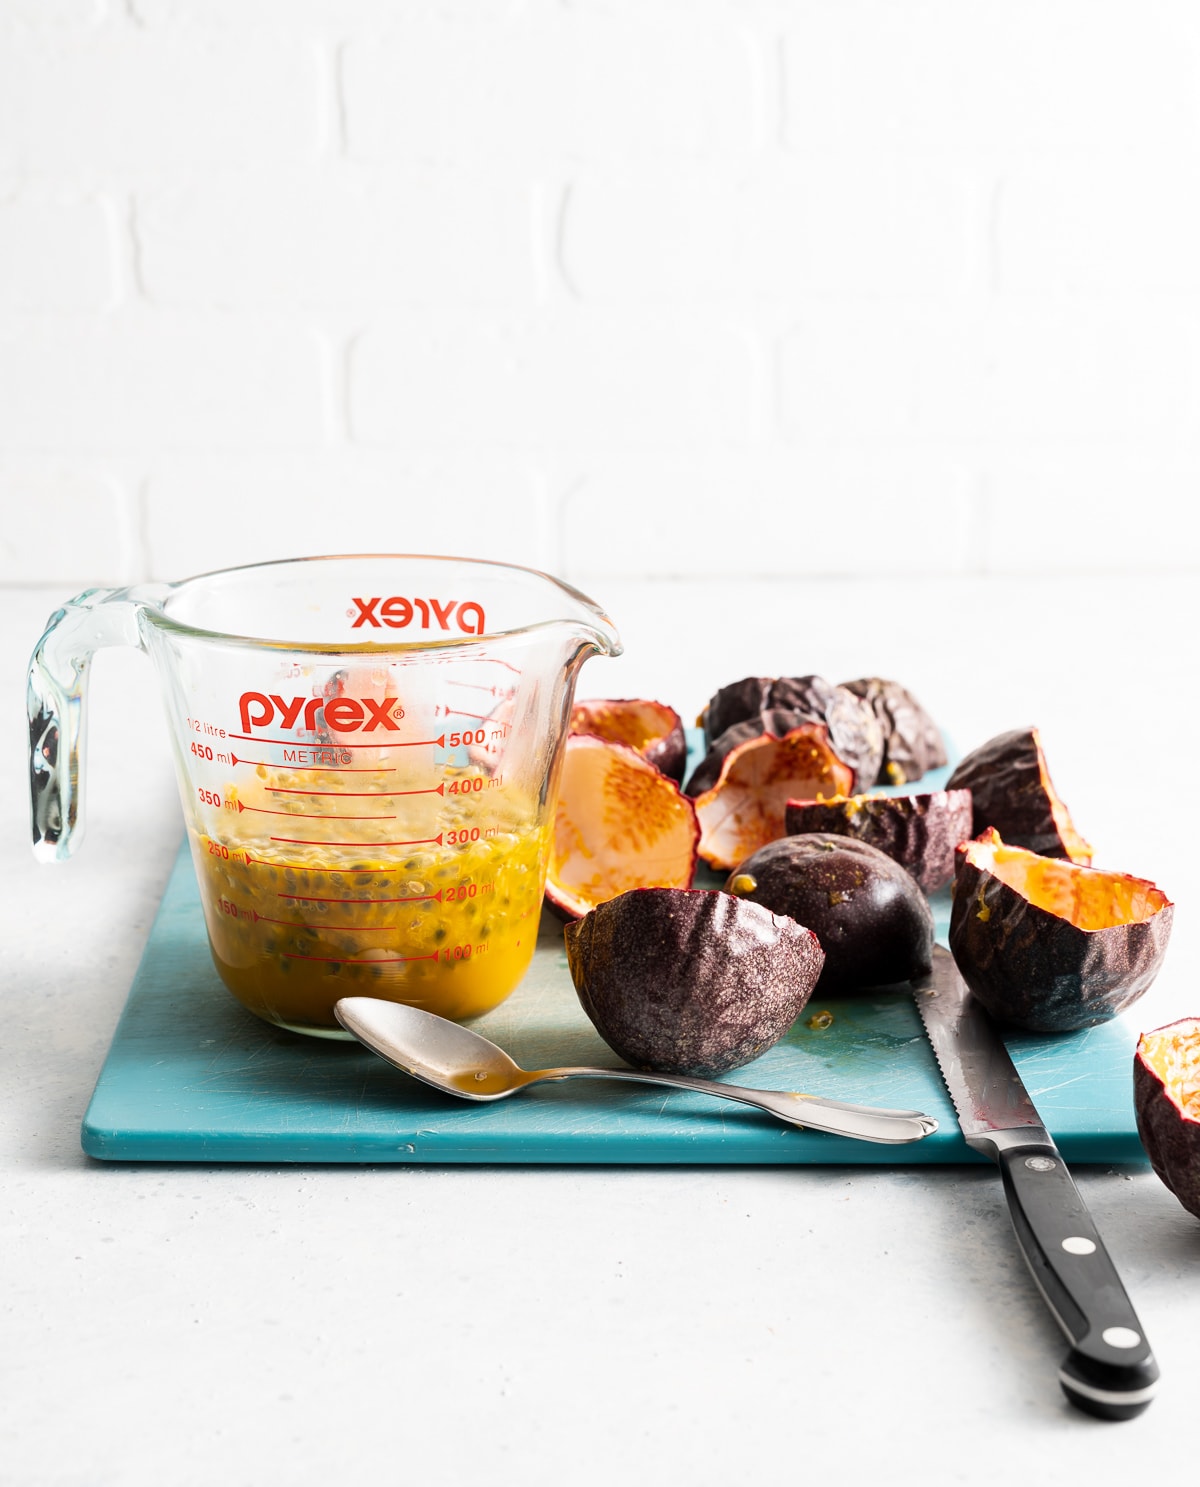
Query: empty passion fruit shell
[
  {"x": 912, "y": 741},
  {"x": 1011, "y": 790},
  {"x": 1053, "y": 946},
  {"x": 652, "y": 728},
  {"x": 920, "y": 832},
  {"x": 1166, "y": 1098},
  {"x": 850, "y": 724},
  {"x": 743, "y": 784},
  {"x": 619, "y": 824},
  {"x": 690, "y": 982}
]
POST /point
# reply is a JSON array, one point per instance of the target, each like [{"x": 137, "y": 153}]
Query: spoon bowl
[{"x": 461, "y": 1062}]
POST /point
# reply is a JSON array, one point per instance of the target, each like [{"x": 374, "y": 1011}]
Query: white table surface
[{"x": 179, "y": 1324}]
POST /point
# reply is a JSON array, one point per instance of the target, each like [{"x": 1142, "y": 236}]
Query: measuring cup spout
[{"x": 56, "y": 695}]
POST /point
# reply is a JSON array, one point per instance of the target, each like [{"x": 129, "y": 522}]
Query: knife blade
[{"x": 1110, "y": 1370}]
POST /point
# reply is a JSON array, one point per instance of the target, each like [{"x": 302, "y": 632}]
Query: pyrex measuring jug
[{"x": 367, "y": 751}]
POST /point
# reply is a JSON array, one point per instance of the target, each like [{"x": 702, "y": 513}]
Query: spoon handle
[{"x": 862, "y": 1122}]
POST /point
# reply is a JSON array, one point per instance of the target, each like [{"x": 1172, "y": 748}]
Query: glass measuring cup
[{"x": 367, "y": 750}]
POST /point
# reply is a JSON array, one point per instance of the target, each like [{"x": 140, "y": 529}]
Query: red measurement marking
[
  {"x": 303, "y": 841},
  {"x": 345, "y": 960},
  {"x": 474, "y": 686},
  {"x": 414, "y": 898},
  {"x": 260, "y": 810},
  {"x": 299, "y": 924},
  {"x": 317, "y": 768},
  {"x": 354, "y": 794},
  {"x": 311, "y": 748}
]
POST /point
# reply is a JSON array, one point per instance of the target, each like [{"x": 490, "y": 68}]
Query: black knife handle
[{"x": 1110, "y": 1370}]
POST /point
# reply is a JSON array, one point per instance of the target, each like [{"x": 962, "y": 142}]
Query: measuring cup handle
[{"x": 58, "y": 673}]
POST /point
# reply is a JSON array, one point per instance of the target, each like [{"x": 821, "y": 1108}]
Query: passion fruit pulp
[
  {"x": 1051, "y": 945},
  {"x": 690, "y": 981},
  {"x": 1166, "y": 1098}
]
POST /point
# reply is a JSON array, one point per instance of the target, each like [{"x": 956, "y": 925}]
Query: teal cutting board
[{"x": 192, "y": 1077}]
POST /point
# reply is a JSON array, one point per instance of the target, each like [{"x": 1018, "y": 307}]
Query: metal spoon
[{"x": 454, "y": 1059}]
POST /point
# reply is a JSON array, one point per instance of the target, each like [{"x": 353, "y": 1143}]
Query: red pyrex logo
[
  {"x": 341, "y": 714},
  {"x": 397, "y": 612}
]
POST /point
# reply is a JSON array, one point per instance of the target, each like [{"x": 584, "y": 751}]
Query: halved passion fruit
[
  {"x": 690, "y": 982},
  {"x": 652, "y": 728},
  {"x": 1166, "y": 1099},
  {"x": 742, "y": 786},
  {"x": 620, "y": 823},
  {"x": 912, "y": 741},
  {"x": 1011, "y": 790},
  {"x": 1053, "y": 946},
  {"x": 852, "y": 728},
  {"x": 920, "y": 832}
]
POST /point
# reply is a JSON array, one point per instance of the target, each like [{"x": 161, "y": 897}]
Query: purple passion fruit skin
[
  {"x": 669, "y": 754},
  {"x": 1020, "y": 952},
  {"x": 850, "y": 723},
  {"x": 1166, "y": 1101},
  {"x": 871, "y": 919},
  {"x": 1011, "y": 790},
  {"x": 912, "y": 741},
  {"x": 920, "y": 832},
  {"x": 690, "y": 981}
]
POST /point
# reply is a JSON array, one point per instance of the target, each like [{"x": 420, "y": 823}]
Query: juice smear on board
[{"x": 438, "y": 913}]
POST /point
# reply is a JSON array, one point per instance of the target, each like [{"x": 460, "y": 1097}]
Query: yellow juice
[{"x": 445, "y": 924}]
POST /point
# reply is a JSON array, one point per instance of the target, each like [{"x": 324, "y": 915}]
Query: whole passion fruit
[
  {"x": 1166, "y": 1100},
  {"x": 690, "y": 981},
  {"x": 920, "y": 832},
  {"x": 871, "y": 919},
  {"x": 1011, "y": 790},
  {"x": 1053, "y": 946}
]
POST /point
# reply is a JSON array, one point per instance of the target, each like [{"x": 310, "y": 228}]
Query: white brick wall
[{"x": 618, "y": 287}]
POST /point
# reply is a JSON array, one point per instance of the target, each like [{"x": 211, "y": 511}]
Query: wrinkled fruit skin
[
  {"x": 688, "y": 981},
  {"x": 1007, "y": 778},
  {"x": 778, "y": 724},
  {"x": 855, "y": 734},
  {"x": 871, "y": 919},
  {"x": 1034, "y": 970},
  {"x": 920, "y": 832},
  {"x": 912, "y": 741},
  {"x": 1169, "y": 1134}
]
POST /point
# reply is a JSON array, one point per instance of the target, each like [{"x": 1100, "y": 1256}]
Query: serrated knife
[{"x": 1110, "y": 1370}]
